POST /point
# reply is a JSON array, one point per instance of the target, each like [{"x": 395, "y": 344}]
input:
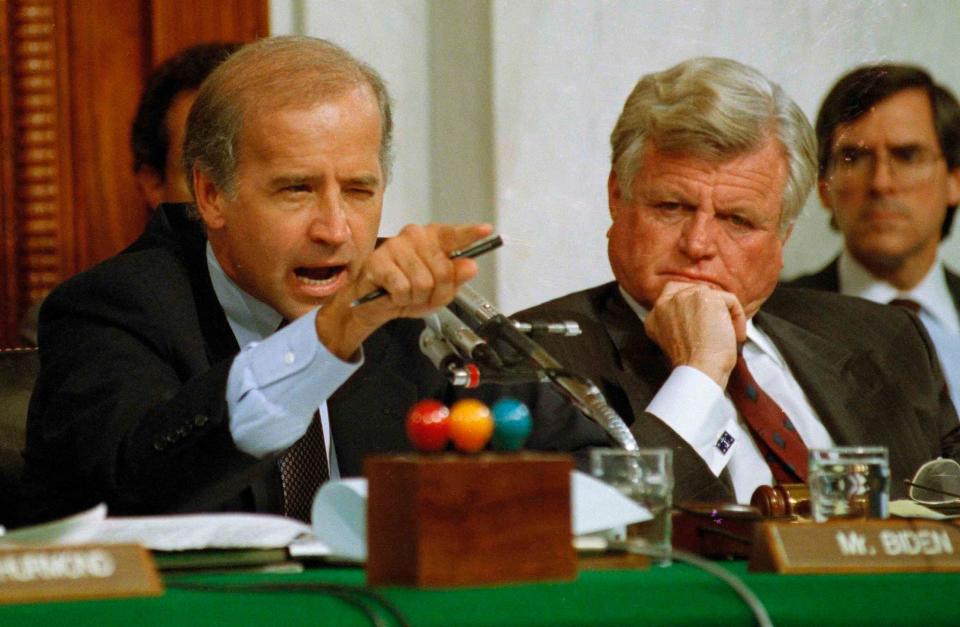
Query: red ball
[
  {"x": 471, "y": 425},
  {"x": 428, "y": 425}
]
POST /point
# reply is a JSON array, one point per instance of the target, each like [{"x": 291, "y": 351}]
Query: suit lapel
[
  {"x": 640, "y": 366},
  {"x": 185, "y": 235},
  {"x": 841, "y": 386}
]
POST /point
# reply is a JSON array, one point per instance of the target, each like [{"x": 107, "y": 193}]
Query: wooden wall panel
[
  {"x": 178, "y": 23},
  {"x": 107, "y": 67},
  {"x": 10, "y": 292},
  {"x": 71, "y": 73},
  {"x": 38, "y": 214}
]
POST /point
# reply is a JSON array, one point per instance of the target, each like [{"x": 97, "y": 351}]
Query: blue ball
[{"x": 511, "y": 424}]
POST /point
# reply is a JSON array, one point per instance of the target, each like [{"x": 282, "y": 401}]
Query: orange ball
[{"x": 471, "y": 425}]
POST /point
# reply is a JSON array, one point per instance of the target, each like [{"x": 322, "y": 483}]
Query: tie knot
[{"x": 906, "y": 303}]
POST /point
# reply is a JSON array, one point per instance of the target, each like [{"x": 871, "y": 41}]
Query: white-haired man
[{"x": 695, "y": 344}]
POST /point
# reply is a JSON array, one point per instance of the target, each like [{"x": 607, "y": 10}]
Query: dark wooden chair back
[{"x": 18, "y": 371}]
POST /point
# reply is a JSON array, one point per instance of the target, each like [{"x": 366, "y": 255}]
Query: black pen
[{"x": 475, "y": 250}]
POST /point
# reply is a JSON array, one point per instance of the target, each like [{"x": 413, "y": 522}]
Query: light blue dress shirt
[{"x": 278, "y": 379}]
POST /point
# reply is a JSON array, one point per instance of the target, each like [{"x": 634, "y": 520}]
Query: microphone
[
  {"x": 465, "y": 340},
  {"x": 445, "y": 358},
  {"x": 578, "y": 390}
]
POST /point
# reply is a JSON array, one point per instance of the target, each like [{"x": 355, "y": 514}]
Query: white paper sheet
[
  {"x": 340, "y": 518},
  {"x": 905, "y": 508},
  {"x": 340, "y": 508},
  {"x": 338, "y": 529},
  {"x": 165, "y": 533},
  {"x": 598, "y": 506},
  {"x": 75, "y": 529}
]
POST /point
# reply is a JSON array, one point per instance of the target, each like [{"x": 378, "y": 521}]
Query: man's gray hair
[
  {"x": 272, "y": 73},
  {"x": 716, "y": 109}
]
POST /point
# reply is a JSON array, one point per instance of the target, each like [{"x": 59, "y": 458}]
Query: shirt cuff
[
  {"x": 695, "y": 407},
  {"x": 275, "y": 386}
]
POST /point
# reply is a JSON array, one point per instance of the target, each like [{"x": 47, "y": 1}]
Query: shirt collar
[
  {"x": 756, "y": 339},
  {"x": 932, "y": 293},
  {"x": 250, "y": 319}
]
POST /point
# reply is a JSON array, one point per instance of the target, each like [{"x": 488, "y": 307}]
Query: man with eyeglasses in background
[{"x": 889, "y": 173}]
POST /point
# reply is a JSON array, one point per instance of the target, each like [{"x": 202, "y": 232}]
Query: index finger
[
  {"x": 673, "y": 288},
  {"x": 453, "y": 237},
  {"x": 737, "y": 315}
]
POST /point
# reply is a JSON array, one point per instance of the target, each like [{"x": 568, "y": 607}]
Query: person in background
[
  {"x": 889, "y": 174},
  {"x": 156, "y": 136},
  {"x": 695, "y": 344}
]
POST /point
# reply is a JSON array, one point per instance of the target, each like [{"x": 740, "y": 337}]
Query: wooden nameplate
[
  {"x": 68, "y": 573},
  {"x": 856, "y": 546},
  {"x": 457, "y": 520}
]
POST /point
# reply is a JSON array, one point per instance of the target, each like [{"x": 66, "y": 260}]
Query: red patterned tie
[
  {"x": 775, "y": 435},
  {"x": 303, "y": 468}
]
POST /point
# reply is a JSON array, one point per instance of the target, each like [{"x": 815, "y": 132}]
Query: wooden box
[{"x": 457, "y": 520}]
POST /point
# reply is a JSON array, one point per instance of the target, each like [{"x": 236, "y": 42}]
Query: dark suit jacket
[
  {"x": 828, "y": 280},
  {"x": 878, "y": 387},
  {"x": 130, "y": 409}
]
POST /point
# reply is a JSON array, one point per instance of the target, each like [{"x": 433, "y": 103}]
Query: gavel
[
  {"x": 725, "y": 530},
  {"x": 782, "y": 500}
]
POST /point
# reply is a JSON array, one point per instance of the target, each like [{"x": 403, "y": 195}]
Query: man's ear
[
  {"x": 614, "y": 198},
  {"x": 953, "y": 187},
  {"x": 823, "y": 191},
  {"x": 150, "y": 183},
  {"x": 786, "y": 236},
  {"x": 209, "y": 200}
]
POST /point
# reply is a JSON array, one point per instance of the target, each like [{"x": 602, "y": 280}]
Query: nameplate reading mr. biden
[{"x": 860, "y": 546}]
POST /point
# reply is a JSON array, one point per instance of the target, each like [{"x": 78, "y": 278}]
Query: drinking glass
[
  {"x": 646, "y": 476},
  {"x": 849, "y": 482}
]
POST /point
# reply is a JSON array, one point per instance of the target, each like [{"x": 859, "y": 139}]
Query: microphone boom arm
[{"x": 583, "y": 393}]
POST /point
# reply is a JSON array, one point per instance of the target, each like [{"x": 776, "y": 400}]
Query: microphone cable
[
  {"x": 366, "y": 600},
  {"x": 747, "y": 595}
]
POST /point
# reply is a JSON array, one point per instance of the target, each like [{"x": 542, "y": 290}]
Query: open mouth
[{"x": 318, "y": 276}]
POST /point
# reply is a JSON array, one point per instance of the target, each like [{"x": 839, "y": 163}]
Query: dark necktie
[
  {"x": 303, "y": 468},
  {"x": 775, "y": 435},
  {"x": 914, "y": 306},
  {"x": 906, "y": 303}
]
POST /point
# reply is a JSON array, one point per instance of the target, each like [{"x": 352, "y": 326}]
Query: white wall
[{"x": 538, "y": 84}]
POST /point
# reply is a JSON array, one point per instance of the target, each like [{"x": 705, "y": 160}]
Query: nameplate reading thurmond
[
  {"x": 62, "y": 573},
  {"x": 860, "y": 546}
]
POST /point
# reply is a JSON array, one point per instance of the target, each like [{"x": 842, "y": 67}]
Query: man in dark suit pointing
[
  {"x": 143, "y": 400},
  {"x": 711, "y": 165}
]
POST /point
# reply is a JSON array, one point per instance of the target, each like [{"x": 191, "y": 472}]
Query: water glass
[
  {"x": 849, "y": 482},
  {"x": 646, "y": 476}
]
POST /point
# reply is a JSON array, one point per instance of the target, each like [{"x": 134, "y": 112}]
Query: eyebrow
[
  {"x": 846, "y": 145},
  {"x": 283, "y": 181},
  {"x": 371, "y": 180}
]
